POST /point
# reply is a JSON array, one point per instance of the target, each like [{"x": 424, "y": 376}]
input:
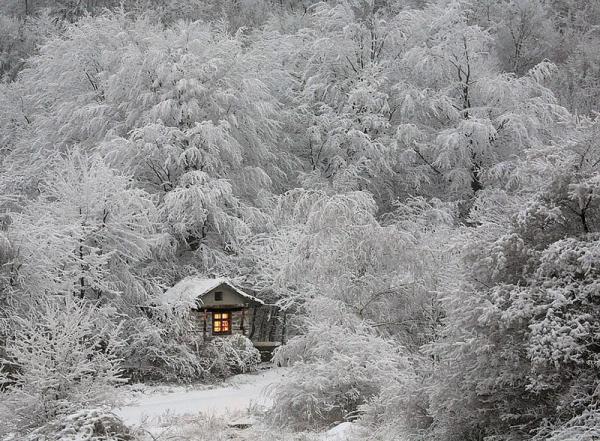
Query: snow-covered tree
[
  {"x": 458, "y": 113},
  {"x": 186, "y": 111},
  {"x": 84, "y": 234},
  {"x": 351, "y": 279},
  {"x": 348, "y": 364},
  {"x": 64, "y": 361},
  {"x": 401, "y": 178},
  {"x": 517, "y": 355}
]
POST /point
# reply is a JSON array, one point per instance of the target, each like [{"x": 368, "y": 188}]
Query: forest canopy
[{"x": 415, "y": 184}]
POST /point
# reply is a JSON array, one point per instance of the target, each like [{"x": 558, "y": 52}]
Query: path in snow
[{"x": 237, "y": 394}]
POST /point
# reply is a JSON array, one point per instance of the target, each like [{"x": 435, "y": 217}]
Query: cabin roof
[{"x": 193, "y": 288}]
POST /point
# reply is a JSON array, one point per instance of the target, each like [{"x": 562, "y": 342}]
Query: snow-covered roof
[{"x": 192, "y": 288}]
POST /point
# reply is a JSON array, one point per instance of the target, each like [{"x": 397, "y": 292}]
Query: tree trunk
[{"x": 283, "y": 328}]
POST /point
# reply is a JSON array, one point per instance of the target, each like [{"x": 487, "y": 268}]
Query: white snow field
[
  {"x": 234, "y": 396},
  {"x": 183, "y": 412}
]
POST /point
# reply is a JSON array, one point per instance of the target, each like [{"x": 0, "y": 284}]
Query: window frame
[
  {"x": 220, "y": 319},
  {"x": 218, "y": 296}
]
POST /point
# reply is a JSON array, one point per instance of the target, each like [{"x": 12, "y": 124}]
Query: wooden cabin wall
[
  {"x": 236, "y": 322},
  {"x": 230, "y": 297},
  {"x": 197, "y": 319}
]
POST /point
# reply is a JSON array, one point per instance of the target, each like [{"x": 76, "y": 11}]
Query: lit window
[{"x": 221, "y": 323}]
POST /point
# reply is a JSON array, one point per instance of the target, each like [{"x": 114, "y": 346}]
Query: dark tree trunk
[
  {"x": 283, "y": 328},
  {"x": 273, "y": 325},
  {"x": 253, "y": 324}
]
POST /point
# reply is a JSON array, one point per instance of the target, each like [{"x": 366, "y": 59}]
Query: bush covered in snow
[
  {"x": 64, "y": 362},
  {"x": 398, "y": 411},
  {"x": 84, "y": 425},
  {"x": 227, "y": 356},
  {"x": 160, "y": 350},
  {"x": 584, "y": 427},
  {"x": 335, "y": 370}
]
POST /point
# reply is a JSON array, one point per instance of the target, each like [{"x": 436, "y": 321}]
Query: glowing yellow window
[{"x": 221, "y": 323}]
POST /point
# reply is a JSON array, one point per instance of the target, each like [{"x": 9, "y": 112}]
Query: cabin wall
[
  {"x": 230, "y": 297},
  {"x": 236, "y": 322},
  {"x": 197, "y": 319}
]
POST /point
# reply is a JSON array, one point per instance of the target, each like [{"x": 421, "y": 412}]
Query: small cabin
[{"x": 218, "y": 306}]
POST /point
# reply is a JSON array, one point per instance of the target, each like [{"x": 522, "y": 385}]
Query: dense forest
[{"x": 414, "y": 183}]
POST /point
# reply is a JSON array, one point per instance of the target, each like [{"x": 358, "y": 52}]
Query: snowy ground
[
  {"x": 237, "y": 395},
  {"x": 222, "y": 412}
]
